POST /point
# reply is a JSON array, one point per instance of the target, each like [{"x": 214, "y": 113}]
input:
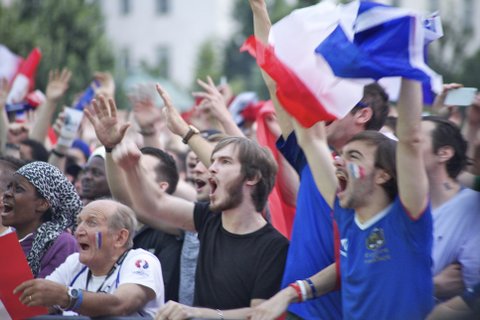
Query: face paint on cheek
[
  {"x": 356, "y": 171},
  {"x": 98, "y": 239}
]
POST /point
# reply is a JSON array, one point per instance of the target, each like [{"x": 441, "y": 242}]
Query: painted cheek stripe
[
  {"x": 98, "y": 238},
  {"x": 357, "y": 171}
]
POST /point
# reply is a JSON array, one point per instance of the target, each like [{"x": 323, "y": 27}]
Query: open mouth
[
  {"x": 342, "y": 181},
  {"x": 213, "y": 185},
  {"x": 7, "y": 208},
  {"x": 200, "y": 184},
  {"x": 84, "y": 246}
]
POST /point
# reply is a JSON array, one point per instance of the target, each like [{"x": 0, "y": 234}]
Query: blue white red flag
[
  {"x": 306, "y": 86},
  {"x": 321, "y": 56},
  {"x": 376, "y": 41}
]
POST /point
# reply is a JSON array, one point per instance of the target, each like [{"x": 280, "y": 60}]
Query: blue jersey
[
  {"x": 386, "y": 264},
  {"x": 311, "y": 244}
]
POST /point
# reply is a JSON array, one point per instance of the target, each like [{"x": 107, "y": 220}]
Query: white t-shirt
[{"x": 139, "y": 267}]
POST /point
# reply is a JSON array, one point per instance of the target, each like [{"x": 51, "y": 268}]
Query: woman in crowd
[{"x": 41, "y": 204}]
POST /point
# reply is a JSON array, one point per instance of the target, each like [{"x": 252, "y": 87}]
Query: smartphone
[{"x": 460, "y": 97}]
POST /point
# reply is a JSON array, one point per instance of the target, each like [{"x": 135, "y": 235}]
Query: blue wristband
[
  {"x": 79, "y": 301},
  {"x": 312, "y": 287}
]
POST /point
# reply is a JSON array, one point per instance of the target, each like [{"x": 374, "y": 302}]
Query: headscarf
[{"x": 64, "y": 202}]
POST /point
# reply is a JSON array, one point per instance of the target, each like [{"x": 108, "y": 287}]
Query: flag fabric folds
[
  {"x": 321, "y": 56},
  {"x": 381, "y": 41},
  {"x": 306, "y": 86}
]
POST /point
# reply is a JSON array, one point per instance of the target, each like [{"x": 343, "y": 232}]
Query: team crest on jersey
[
  {"x": 141, "y": 264},
  {"x": 376, "y": 239}
]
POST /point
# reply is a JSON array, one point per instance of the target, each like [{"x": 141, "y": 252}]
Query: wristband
[
  {"x": 108, "y": 150},
  {"x": 297, "y": 290},
  {"x": 191, "y": 132},
  {"x": 312, "y": 287},
  {"x": 303, "y": 289},
  {"x": 58, "y": 153}
]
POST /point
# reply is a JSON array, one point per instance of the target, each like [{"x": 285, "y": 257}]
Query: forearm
[
  {"x": 44, "y": 116},
  {"x": 117, "y": 181},
  {"x": 204, "y": 313},
  {"x": 105, "y": 304},
  {"x": 230, "y": 127},
  {"x": 57, "y": 157},
  {"x": 288, "y": 181},
  {"x": 152, "y": 205},
  {"x": 202, "y": 148},
  {"x": 3, "y": 130}
]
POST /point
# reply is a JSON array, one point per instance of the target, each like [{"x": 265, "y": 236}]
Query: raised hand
[
  {"x": 215, "y": 101},
  {"x": 57, "y": 84},
  {"x": 104, "y": 119},
  {"x": 144, "y": 110},
  {"x": 175, "y": 122},
  {"x": 107, "y": 84}
]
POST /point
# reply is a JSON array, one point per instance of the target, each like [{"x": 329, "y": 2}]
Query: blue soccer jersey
[
  {"x": 385, "y": 264},
  {"x": 311, "y": 245}
]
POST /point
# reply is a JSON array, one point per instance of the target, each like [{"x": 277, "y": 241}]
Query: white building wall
[{"x": 141, "y": 32}]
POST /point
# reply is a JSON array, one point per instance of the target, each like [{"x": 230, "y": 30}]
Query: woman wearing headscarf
[{"x": 41, "y": 204}]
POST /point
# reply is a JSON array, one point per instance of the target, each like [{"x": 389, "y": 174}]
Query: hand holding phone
[{"x": 460, "y": 97}]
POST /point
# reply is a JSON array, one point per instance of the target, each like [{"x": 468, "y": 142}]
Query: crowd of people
[{"x": 154, "y": 213}]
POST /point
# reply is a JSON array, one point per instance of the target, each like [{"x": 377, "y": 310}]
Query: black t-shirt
[
  {"x": 233, "y": 269},
  {"x": 167, "y": 248}
]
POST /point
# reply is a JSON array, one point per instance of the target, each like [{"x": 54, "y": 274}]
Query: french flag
[
  {"x": 306, "y": 85},
  {"x": 322, "y": 56},
  {"x": 379, "y": 41}
]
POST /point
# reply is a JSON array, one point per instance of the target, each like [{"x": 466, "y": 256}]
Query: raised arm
[
  {"x": 313, "y": 141},
  {"x": 3, "y": 115},
  {"x": 152, "y": 205},
  {"x": 56, "y": 88},
  {"x": 175, "y": 123},
  {"x": 261, "y": 28},
  {"x": 411, "y": 174}
]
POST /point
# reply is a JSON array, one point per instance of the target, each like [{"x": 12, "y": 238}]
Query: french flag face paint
[
  {"x": 98, "y": 239},
  {"x": 356, "y": 171}
]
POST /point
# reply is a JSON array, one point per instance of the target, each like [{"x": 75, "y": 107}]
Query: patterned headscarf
[{"x": 64, "y": 202}]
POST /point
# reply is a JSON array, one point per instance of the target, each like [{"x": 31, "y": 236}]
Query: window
[
  {"x": 162, "y": 6},
  {"x": 125, "y": 7},
  {"x": 163, "y": 61}
]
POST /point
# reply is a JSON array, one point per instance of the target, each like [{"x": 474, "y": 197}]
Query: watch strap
[{"x": 191, "y": 131}]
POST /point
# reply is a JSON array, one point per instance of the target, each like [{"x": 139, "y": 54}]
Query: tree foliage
[{"x": 69, "y": 34}]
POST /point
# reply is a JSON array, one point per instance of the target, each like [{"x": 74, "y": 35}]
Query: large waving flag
[
  {"x": 378, "y": 41},
  {"x": 322, "y": 56},
  {"x": 306, "y": 86}
]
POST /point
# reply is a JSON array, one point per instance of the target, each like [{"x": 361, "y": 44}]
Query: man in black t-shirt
[{"x": 241, "y": 256}]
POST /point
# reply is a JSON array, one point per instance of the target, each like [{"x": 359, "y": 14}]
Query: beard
[{"x": 234, "y": 197}]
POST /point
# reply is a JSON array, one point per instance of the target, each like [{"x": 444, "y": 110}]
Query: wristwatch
[
  {"x": 191, "y": 131},
  {"x": 75, "y": 296}
]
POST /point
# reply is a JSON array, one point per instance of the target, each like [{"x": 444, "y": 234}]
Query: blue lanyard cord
[{"x": 117, "y": 264}]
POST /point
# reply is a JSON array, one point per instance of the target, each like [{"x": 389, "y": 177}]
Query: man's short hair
[
  {"x": 123, "y": 218},
  {"x": 446, "y": 133},
  {"x": 166, "y": 169},
  {"x": 385, "y": 157},
  {"x": 256, "y": 161},
  {"x": 375, "y": 97},
  {"x": 39, "y": 152}
]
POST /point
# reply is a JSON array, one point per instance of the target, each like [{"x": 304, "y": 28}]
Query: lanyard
[{"x": 112, "y": 270}]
